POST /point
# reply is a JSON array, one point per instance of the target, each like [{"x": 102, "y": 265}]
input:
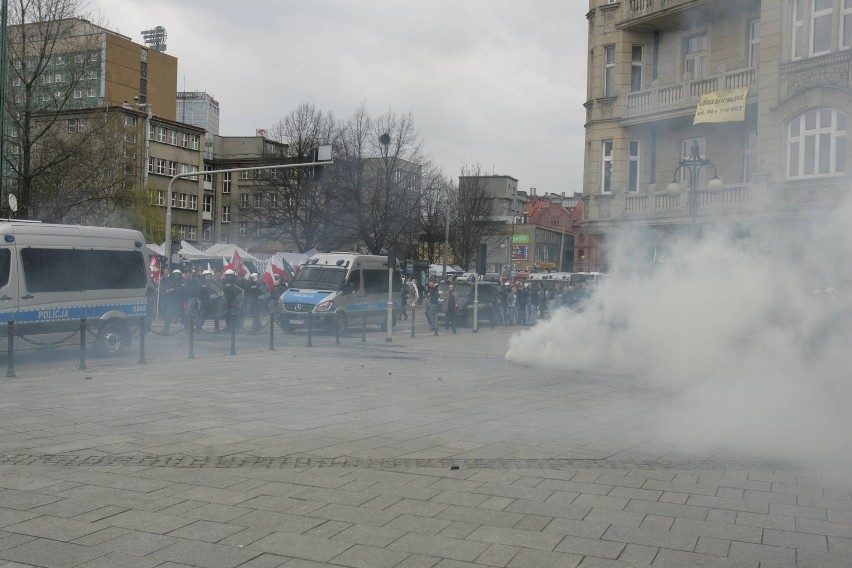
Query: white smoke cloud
[{"x": 731, "y": 324}]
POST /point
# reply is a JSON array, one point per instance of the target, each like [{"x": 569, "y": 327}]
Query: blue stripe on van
[{"x": 67, "y": 313}]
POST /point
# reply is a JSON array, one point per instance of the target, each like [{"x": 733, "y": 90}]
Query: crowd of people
[
  {"x": 519, "y": 303},
  {"x": 200, "y": 295}
]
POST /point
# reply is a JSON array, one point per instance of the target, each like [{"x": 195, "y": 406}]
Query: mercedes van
[{"x": 340, "y": 290}]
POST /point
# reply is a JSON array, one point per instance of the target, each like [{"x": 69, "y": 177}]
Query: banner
[
  {"x": 520, "y": 252},
  {"x": 521, "y": 239},
  {"x": 722, "y": 106}
]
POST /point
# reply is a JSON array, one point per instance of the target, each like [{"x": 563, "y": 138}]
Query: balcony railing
[
  {"x": 684, "y": 95},
  {"x": 732, "y": 201},
  {"x": 641, "y": 8}
]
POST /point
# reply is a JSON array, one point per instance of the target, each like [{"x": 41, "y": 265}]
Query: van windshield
[{"x": 320, "y": 278}]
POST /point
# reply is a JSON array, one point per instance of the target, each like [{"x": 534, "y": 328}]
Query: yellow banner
[{"x": 722, "y": 106}]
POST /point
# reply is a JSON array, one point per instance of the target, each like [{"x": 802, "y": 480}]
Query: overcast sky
[{"x": 500, "y": 83}]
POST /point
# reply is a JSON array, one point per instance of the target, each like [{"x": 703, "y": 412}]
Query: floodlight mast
[{"x": 323, "y": 151}]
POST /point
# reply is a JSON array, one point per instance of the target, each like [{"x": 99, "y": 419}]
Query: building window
[
  {"x": 245, "y": 175},
  {"x": 130, "y": 137},
  {"x": 182, "y": 201},
  {"x": 129, "y": 120},
  {"x": 161, "y": 166},
  {"x": 150, "y": 165},
  {"x": 207, "y": 204},
  {"x": 58, "y": 78},
  {"x": 76, "y": 125},
  {"x": 637, "y": 59},
  {"x": 207, "y": 233},
  {"x": 244, "y": 200},
  {"x": 817, "y": 144},
  {"x": 695, "y": 56},
  {"x": 174, "y": 200},
  {"x": 193, "y": 142},
  {"x": 151, "y": 128},
  {"x": 753, "y": 43},
  {"x": 815, "y": 29},
  {"x": 208, "y": 177},
  {"x": 273, "y": 199},
  {"x": 633, "y": 166},
  {"x": 161, "y": 197},
  {"x": 609, "y": 71},
  {"x": 193, "y": 169},
  {"x": 161, "y": 134},
  {"x": 606, "y": 166},
  {"x": 92, "y": 92},
  {"x": 191, "y": 232},
  {"x": 184, "y": 139},
  {"x": 172, "y": 168},
  {"x": 243, "y": 229},
  {"x": 258, "y": 200},
  {"x": 129, "y": 152},
  {"x": 226, "y": 183},
  {"x": 173, "y": 137},
  {"x": 226, "y": 213}
]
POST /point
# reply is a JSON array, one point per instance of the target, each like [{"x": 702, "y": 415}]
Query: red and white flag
[
  {"x": 274, "y": 268},
  {"x": 238, "y": 266},
  {"x": 154, "y": 267}
]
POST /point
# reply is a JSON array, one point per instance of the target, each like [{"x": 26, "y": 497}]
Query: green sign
[{"x": 522, "y": 239}]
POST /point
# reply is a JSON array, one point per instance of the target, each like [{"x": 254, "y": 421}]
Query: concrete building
[
  {"x": 781, "y": 157},
  {"x": 199, "y": 109}
]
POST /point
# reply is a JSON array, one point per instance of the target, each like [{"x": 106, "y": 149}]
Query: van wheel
[
  {"x": 112, "y": 338},
  {"x": 341, "y": 324}
]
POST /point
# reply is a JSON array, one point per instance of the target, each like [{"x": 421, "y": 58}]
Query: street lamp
[{"x": 694, "y": 164}]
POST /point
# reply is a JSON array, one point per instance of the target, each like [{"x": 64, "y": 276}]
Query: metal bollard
[
  {"x": 82, "y": 366},
  {"x": 142, "y": 331},
  {"x": 10, "y": 355},
  {"x": 233, "y": 334},
  {"x": 336, "y": 332},
  {"x": 192, "y": 337},
  {"x": 413, "y": 311},
  {"x": 435, "y": 321},
  {"x": 272, "y": 331},
  {"x": 310, "y": 328},
  {"x": 364, "y": 328}
]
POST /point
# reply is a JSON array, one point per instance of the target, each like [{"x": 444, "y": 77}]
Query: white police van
[
  {"x": 51, "y": 276},
  {"x": 339, "y": 290}
]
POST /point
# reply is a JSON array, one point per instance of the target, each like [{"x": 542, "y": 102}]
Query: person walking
[
  {"x": 404, "y": 307},
  {"x": 450, "y": 305},
  {"x": 433, "y": 305}
]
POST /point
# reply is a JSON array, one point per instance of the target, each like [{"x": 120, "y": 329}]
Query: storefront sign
[
  {"x": 520, "y": 239},
  {"x": 520, "y": 252}
]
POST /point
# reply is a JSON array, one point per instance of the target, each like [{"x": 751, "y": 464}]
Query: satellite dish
[{"x": 13, "y": 202}]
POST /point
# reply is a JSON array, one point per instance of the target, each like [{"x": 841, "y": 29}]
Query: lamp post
[
  {"x": 149, "y": 114},
  {"x": 694, "y": 164},
  {"x": 384, "y": 140}
]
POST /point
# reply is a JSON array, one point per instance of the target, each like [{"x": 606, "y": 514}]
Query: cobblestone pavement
[{"x": 425, "y": 452}]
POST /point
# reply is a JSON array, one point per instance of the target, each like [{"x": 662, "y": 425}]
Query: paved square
[{"x": 432, "y": 451}]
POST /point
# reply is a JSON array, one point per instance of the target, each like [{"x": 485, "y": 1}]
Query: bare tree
[
  {"x": 433, "y": 214},
  {"x": 300, "y": 211},
  {"x": 377, "y": 182},
  {"x": 472, "y": 218},
  {"x": 56, "y": 149}
]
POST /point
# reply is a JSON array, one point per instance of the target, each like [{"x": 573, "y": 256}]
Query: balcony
[
  {"x": 682, "y": 98},
  {"x": 732, "y": 202},
  {"x": 660, "y": 14}
]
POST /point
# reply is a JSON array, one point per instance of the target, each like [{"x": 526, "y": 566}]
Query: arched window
[{"x": 817, "y": 144}]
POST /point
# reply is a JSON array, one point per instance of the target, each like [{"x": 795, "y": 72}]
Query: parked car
[{"x": 465, "y": 295}]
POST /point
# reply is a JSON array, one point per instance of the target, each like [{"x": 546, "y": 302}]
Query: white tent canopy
[
  {"x": 226, "y": 250},
  {"x": 438, "y": 269},
  {"x": 187, "y": 251}
]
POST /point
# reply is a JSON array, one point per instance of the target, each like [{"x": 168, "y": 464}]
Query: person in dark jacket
[{"x": 450, "y": 305}]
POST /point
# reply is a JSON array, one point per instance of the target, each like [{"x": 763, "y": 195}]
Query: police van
[
  {"x": 337, "y": 290},
  {"x": 51, "y": 276}
]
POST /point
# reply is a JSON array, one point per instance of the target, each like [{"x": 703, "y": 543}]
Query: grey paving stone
[
  {"x": 147, "y": 521},
  {"x": 206, "y": 531},
  {"x": 204, "y": 555},
  {"x": 50, "y": 553},
  {"x": 138, "y": 543},
  {"x": 441, "y": 547},
  {"x": 726, "y": 516},
  {"x": 657, "y": 538},
  {"x": 535, "y": 523},
  {"x": 717, "y": 530},
  {"x": 458, "y": 529},
  {"x": 667, "y": 509},
  {"x": 354, "y": 515},
  {"x": 418, "y": 525},
  {"x": 479, "y": 516},
  {"x": 795, "y": 540},
  {"x": 121, "y": 559},
  {"x": 798, "y": 512},
  {"x": 807, "y": 558},
  {"x": 55, "y": 528},
  {"x": 513, "y": 537},
  {"x": 528, "y": 558},
  {"x": 815, "y": 526},
  {"x": 416, "y": 507},
  {"x": 12, "y": 517},
  {"x": 327, "y": 530},
  {"x": 766, "y": 555},
  {"x": 280, "y": 522},
  {"x": 680, "y": 559},
  {"x": 590, "y": 547},
  {"x": 638, "y": 555},
  {"x": 367, "y": 535},
  {"x": 360, "y": 556},
  {"x": 302, "y": 547},
  {"x": 498, "y": 555},
  {"x": 713, "y": 546},
  {"x": 727, "y": 503},
  {"x": 766, "y": 521}
]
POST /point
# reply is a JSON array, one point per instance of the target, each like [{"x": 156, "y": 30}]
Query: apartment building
[{"x": 753, "y": 93}]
